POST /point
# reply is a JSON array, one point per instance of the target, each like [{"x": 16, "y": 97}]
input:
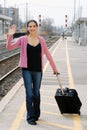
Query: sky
[{"x": 55, "y": 9}]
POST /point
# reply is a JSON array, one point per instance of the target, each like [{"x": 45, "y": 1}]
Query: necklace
[{"x": 33, "y": 41}]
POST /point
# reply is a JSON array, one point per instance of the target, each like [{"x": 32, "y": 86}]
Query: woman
[{"x": 33, "y": 47}]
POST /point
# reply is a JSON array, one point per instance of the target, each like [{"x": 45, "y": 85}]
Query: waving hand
[{"x": 12, "y": 30}]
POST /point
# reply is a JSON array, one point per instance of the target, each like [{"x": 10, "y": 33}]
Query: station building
[{"x": 80, "y": 31}]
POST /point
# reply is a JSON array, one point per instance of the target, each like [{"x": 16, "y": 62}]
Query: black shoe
[{"x": 32, "y": 122}]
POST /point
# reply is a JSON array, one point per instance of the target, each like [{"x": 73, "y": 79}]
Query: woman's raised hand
[{"x": 12, "y": 30}]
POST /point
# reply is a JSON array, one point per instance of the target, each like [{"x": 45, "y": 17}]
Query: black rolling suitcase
[{"x": 67, "y": 100}]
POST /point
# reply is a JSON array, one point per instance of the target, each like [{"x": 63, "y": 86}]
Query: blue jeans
[{"x": 32, "y": 83}]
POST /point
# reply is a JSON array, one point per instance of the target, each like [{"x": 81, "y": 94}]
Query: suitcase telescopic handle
[{"x": 60, "y": 84}]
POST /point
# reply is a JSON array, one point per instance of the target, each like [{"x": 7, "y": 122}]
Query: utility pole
[
  {"x": 79, "y": 9},
  {"x": 4, "y": 23},
  {"x": 74, "y": 10},
  {"x": 26, "y": 12},
  {"x": 4, "y": 7}
]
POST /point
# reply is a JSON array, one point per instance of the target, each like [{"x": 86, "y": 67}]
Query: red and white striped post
[
  {"x": 66, "y": 21},
  {"x": 39, "y": 23},
  {"x": 39, "y": 20}
]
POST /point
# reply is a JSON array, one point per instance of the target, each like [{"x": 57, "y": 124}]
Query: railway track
[
  {"x": 10, "y": 73},
  {"x": 8, "y": 63}
]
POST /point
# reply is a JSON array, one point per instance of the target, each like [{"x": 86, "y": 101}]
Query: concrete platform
[{"x": 71, "y": 60}]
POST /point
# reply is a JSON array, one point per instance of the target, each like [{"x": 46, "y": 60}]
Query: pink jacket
[{"x": 22, "y": 42}]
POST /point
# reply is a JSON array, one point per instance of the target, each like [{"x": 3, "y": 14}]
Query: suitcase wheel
[{"x": 79, "y": 112}]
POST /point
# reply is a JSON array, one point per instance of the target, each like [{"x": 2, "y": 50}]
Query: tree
[{"x": 46, "y": 25}]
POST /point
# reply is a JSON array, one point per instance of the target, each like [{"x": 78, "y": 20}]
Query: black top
[{"x": 34, "y": 57}]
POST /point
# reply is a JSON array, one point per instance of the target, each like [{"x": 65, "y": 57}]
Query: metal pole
[
  {"x": 4, "y": 6},
  {"x": 26, "y": 12},
  {"x": 4, "y": 23},
  {"x": 79, "y": 10},
  {"x": 74, "y": 10}
]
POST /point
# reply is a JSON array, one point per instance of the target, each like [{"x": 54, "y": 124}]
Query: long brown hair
[{"x": 30, "y": 22}]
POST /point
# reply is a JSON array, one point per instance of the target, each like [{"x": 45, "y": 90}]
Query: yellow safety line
[
  {"x": 71, "y": 82},
  {"x": 76, "y": 118},
  {"x": 21, "y": 111},
  {"x": 53, "y": 124},
  {"x": 56, "y": 125},
  {"x": 51, "y": 113},
  {"x": 77, "y": 123},
  {"x": 18, "y": 117}
]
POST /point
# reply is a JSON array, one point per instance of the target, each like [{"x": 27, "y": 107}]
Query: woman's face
[{"x": 32, "y": 28}]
